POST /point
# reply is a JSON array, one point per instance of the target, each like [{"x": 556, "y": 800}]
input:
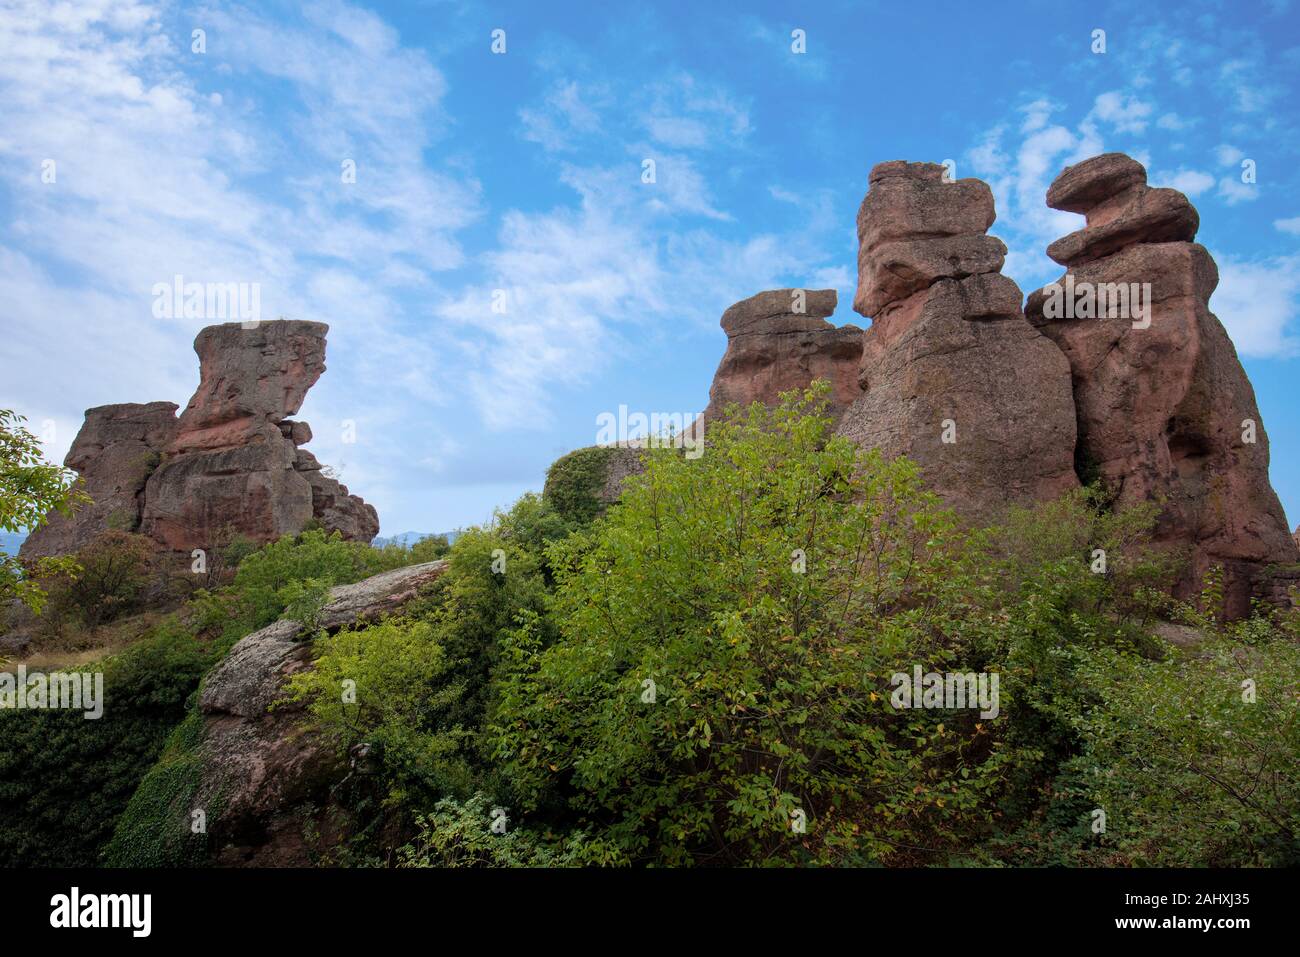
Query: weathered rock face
[
  {"x": 1165, "y": 411},
  {"x": 116, "y": 450},
  {"x": 780, "y": 340},
  {"x": 953, "y": 375},
  {"x": 262, "y": 772},
  {"x": 234, "y": 463},
  {"x": 331, "y": 503},
  {"x": 229, "y": 466}
]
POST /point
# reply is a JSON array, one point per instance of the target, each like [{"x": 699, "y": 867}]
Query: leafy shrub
[
  {"x": 30, "y": 489},
  {"x": 574, "y": 482},
  {"x": 64, "y": 779},
  {"x": 768, "y": 590},
  {"x": 285, "y": 573},
  {"x": 1191, "y": 766},
  {"x": 424, "y": 682},
  {"x": 457, "y": 834},
  {"x": 263, "y": 577},
  {"x": 109, "y": 580},
  {"x": 397, "y": 671}
]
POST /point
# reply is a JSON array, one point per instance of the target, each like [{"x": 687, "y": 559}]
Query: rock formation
[
  {"x": 780, "y": 340},
  {"x": 1165, "y": 411},
  {"x": 263, "y": 775},
  {"x": 777, "y": 341},
  {"x": 952, "y": 374},
  {"x": 229, "y": 465},
  {"x": 114, "y": 453}
]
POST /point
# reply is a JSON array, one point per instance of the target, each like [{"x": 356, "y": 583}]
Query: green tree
[
  {"x": 719, "y": 691},
  {"x": 30, "y": 488}
]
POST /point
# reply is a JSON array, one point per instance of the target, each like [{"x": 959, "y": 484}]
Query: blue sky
[{"x": 522, "y": 172}]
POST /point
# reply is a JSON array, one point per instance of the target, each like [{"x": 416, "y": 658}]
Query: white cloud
[
  {"x": 684, "y": 113},
  {"x": 1190, "y": 181},
  {"x": 155, "y": 167},
  {"x": 1019, "y": 175},
  {"x": 567, "y": 114},
  {"x": 1229, "y": 155},
  {"x": 1291, "y": 225},
  {"x": 1233, "y": 191},
  {"x": 1124, "y": 114},
  {"x": 1258, "y": 302},
  {"x": 1037, "y": 114},
  {"x": 1174, "y": 123},
  {"x": 1250, "y": 93}
]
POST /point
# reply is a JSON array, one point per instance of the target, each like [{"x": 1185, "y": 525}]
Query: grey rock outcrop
[{"x": 261, "y": 767}]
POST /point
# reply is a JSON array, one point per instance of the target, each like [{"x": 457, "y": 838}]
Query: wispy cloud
[
  {"x": 164, "y": 167},
  {"x": 1258, "y": 302}
]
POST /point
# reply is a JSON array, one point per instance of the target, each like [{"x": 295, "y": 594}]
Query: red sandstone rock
[
  {"x": 233, "y": 466},
  {"x": 914, "y": 228},
  {"x": 114, "y": 453},
  {"x": 771, "y": 349},
  {"x": 949, "y": 353},
  {"x": 1083, "y": 186},
  {"x": 1162, "y": 409},
  {"x": 332, "y": 505}
]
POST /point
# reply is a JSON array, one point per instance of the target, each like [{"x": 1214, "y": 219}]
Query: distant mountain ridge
[{"x": 410, "y": 538}]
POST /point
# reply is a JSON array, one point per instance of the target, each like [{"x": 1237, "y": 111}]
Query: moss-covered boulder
[{"x": 585, "y": 482}]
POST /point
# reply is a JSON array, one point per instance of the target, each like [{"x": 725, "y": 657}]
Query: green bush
[
  {"x": 768, "y": 590},
  {"x": 1195, "y": 759},
  {"x": 424, "y": 682},
  {"x": 459, "y": 834},
  {"x": 386, "y": 686},
  {"x": 64, "y": 779},
  {"x": 574, "y": 482},
  {"x": 108, "y": 581},
  {"x": 266, "y": 579}
]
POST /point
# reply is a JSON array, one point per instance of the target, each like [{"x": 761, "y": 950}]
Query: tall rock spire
[
  {"x": 234, "y": 464},
  {"x": 953, "y": 375},
  {"x": 1165, "y": 411}
]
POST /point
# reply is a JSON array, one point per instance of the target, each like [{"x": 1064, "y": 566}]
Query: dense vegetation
[
  {"x": 702, "y": 675},
  {"x": 66, "y": 780}
]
